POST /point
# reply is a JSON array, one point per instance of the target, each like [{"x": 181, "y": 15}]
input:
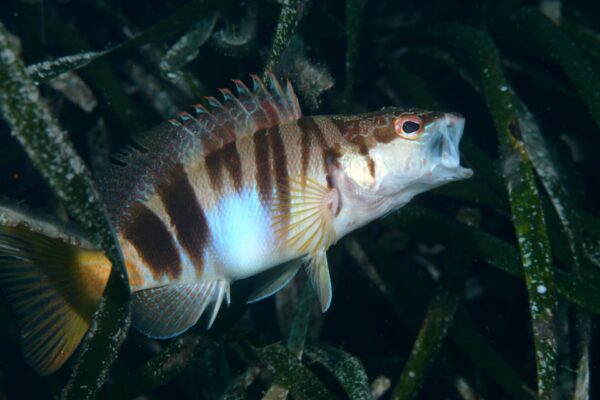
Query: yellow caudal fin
[{"x": 54, "y": 288}]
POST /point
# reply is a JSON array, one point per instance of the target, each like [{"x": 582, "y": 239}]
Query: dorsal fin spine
[
  {"x": 256, "y": 83},
  {"x": 281, "y": 97},
  {"x": 174, "y": 122},
  {"x": 241, "y": 88},
  {"x": 184, "y": 116},
  {"x": 199, "y": 109},
  {"x": 195, "y": 124},
  {"x": 227, "y": 95},
  {"x": 249, "y": 121},
  {"x": 247, "y": 98},
  {"x": 214, "y": 102},
  {"x": 226, "y": 124},
  {"x": 266, "y": 106},
  {"x": 293, "y": 100}
]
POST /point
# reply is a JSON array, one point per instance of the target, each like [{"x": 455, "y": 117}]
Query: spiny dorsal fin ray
[
  {"x": 188, "y": 136},
  {"x": 168, "y": 311}
]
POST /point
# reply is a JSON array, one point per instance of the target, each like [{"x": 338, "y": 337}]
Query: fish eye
[{"x": 408, "y": 127}]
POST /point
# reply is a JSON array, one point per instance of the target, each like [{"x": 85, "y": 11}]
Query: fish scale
[{"x": 245, "y": 186}]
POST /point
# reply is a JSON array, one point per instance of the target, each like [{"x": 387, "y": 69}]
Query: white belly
[{"x": 243, "y": 241}]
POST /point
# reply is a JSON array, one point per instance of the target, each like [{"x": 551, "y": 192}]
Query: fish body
[{"x": 224, "y": 195}]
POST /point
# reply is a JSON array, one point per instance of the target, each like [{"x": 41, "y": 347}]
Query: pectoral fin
[
  {"x": 318, "y": 271},
  {"x": 303, "y": 218}
]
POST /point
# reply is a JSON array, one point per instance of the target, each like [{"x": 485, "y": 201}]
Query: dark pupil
[{"x": 410, "y": 127}]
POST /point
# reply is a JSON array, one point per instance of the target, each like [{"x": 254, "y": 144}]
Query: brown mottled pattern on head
[
  {"x": 263, "y": 165},
  {"x": 186, "y": 215},
  {"x": 358, "y": 130},
  {"x": 377, "y": 127},
  {"x": 348, "y": 126},
  {"x": 153, "y": 242}
]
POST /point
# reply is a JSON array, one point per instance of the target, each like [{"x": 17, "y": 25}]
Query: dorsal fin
[{"x": 187, "y": 137}]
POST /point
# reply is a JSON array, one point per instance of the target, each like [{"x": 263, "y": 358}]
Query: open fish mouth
[{"x": 444, "y": 149}]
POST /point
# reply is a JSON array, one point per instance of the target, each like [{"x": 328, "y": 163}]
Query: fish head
[
  {"x": 420, "y": 149},
  {"x": 398, "y": 153}
]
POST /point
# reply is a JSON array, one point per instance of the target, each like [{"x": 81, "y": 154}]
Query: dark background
[{"x": 361, "y": 321}]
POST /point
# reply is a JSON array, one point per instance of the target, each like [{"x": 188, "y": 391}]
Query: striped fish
[{"x": 229, "y": 192}]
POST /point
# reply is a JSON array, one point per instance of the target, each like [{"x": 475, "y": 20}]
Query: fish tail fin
[{"x": 54, "y": 289}]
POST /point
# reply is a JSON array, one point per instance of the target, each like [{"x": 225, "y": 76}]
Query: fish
[{"x": 245, "y": 186}]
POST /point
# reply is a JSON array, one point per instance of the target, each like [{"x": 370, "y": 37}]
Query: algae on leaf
[
  {"x": 286, "y": 25},
  {"x": 484, "y": 64}
]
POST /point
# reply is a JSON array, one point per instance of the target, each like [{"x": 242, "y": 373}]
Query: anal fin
[{"x": 170, "y": 310}]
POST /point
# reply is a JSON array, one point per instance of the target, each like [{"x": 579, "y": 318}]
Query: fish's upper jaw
[{"x": 445, "y": 149}]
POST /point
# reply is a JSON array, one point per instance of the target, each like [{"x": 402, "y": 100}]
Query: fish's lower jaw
[{"x": 442, "y": 173}]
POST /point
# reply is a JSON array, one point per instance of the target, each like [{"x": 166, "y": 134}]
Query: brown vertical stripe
[
  {"x": 371, "y": 164},
  {"x": 153, "y": 242},
  {"x": 263, "y": 166},
  {"x": 214, "y": 168},
  {"x": 364, "y": 151},
  {"x": 305, "y": 147},
  {"x": 186, "y": 215},
  {"x": 231, "y": 158},
  {"x": 310, "y": 128},
  {"x": 330, "y": 160},
  {"x": 280, "y": 170},
  {"x": 316, "y": 130},
  {"x": 227, "y": 157}
]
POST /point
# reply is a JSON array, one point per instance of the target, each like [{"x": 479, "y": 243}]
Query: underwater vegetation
[{"x": 487, "y": 288}]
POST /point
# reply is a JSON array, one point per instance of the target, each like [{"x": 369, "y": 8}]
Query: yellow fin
[
  {"x": 303, "y": 219},
  {"x": 54, "y": 289}
]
